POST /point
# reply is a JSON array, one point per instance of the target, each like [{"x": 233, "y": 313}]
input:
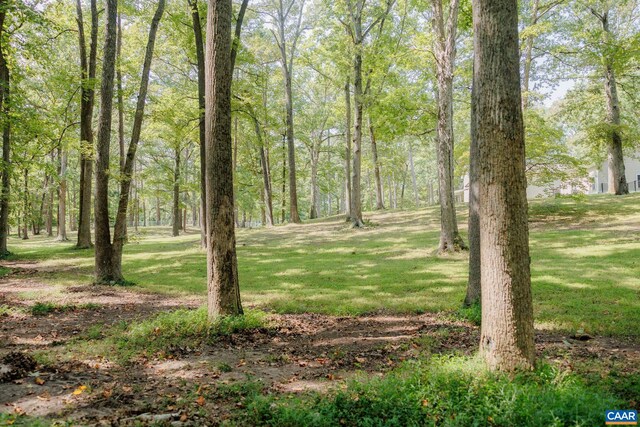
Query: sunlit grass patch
[{"x": 443, "y": 391}]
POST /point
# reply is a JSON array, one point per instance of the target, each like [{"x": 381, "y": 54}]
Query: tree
[
  {"x": 222, "y": 265},
  {"x": 474, "y": 287},
  {"x": 108, "y": 254},
  {"x": 358, "y": 31},
  {"x": 6, "y": 131},
  {"x": 87, "y": 96},
  {"x": 289, "y": 28},
  {"x": 507, "y": 334},
  {"x": 617, "y": 178},
  {"x": 445, "y": 54},
  {"x": 104, "y": 272}
]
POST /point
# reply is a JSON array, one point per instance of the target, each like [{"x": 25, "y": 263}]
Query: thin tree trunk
[
  {"x": 87, "y": 91},
  {"x": 25, "y": 206},
  {"x": 104, "y": 273},
  {"x": 376, "y": 167},
  {"x": 284, "y": 180},
  {"x": 507, "y": 335},
  {"x": 222, "y": 265},
  {"x": 315, "y": 202},
  {"x": 62, "y": 197},
  {"x": 176, "y": 194},
  {"x": 266, "y": 181}
]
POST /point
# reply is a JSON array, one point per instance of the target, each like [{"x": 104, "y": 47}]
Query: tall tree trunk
[
  {"x": 197, "y": 32},
  {"x": 376, "y": 167},
  {"x": 617, "y": 178},
  {"x": 62, "y": 196},
  {"x": 356, "y": 195},
  {"x": 176, "y": 194},
  {"x": 104, "y": 249},
  {"x": 25, "y": 206},
  {"x": 507, "y": 335},
  {"x": 158, "y": 212},
  {"x": 87, "y": 93},
  {"x": 284, "y": 180},
  {"x": 6, "y": 134},
  {"x": 120, "y": 104},
  {"x": 222, "y": 264},
  {"x": 347, "y": 154},
  {"x": 119, "y": 232},
  {"x": 445, "y": 52},
  {"x": 474, "y": 282},
  {"x": 528, "y": 57}
]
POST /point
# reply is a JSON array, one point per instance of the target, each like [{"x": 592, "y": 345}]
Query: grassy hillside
[{"x": 585, "y": 262}]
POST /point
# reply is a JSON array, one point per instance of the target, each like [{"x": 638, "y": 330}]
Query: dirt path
[{"x": 203, "y": 385}]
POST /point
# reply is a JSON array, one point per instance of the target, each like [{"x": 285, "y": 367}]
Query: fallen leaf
[
  {"x": 79, "y": 390},
  {"x": 39, "y": 381},
  {"x": 183, "y": 417},
  {"x": 107, "y": 393},
  {"x": 127, "y": 389},
  {"x": 200, "y": 401},
  {"x": 360, "y": 359}
]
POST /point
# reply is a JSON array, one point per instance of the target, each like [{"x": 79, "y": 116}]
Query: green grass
[
  {"x": 441, "y": 391},
  {"x": 166, "y": 333},
  {"x": 585, "y": 264},
  {"x": 45, "y": 308}
]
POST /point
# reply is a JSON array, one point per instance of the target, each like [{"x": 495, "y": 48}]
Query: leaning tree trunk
[
  {"x": 6, "y": 135},
  {"x": 376, "y": 167},
  {"x": 197, "y": 32},
  {"x": 87, "y": 94},
  {"x": 507, "y": 335},
  {"x": 120, "y": 228},
  {"x": 62, "y": 197},
  {"x": 445, "y": 52},
  {"x": 266, "y": 179},
  {"x": 222, "y": 264},
  {"x": 104, "y": 273}
]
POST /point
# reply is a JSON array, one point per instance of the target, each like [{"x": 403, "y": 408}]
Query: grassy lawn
[{"x": 585, "y": 262}]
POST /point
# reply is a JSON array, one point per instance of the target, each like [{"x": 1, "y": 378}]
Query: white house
[
  {"x": 596, "y": 182},
  {"x": 599, "y": 178}
]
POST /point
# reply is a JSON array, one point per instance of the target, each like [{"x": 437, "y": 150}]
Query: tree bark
[
  {"x": 507, "y": 335},
  {"x": 347, "y": 154},
  {"x": 222, "y": 265},
  {"x": 356, "y": 195},
  {"x": 104, "y": 273},
  {"x": 376, "y": 168},
  {"x": 87, "y": 93},
  {"x": 62, "y": 196},
  {"x": 414, "y": 180},
  {"x": 120, "y": 104},
  {"x": 445, "y": 52},
  {"x": 6, "y": 135},
  {"x": 176, "y": 194}
]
